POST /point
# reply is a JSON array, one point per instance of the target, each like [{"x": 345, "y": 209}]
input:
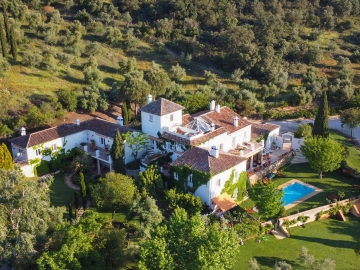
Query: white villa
[{"x": 216, "y": 141}]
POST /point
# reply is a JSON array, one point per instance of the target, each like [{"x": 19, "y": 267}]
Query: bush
[{"x": 42, "y": 168}]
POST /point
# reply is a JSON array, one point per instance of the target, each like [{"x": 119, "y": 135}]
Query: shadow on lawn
[
  {"x": 344, "y": 228},
  {"x": 326, "y": 242},
  {"x": 270, "y": 261}
]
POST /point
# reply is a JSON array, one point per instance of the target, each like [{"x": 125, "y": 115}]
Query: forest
[{"x": 265, "y": 59}]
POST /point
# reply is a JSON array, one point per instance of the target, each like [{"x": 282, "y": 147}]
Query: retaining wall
[{"x": 253, "y": 179}]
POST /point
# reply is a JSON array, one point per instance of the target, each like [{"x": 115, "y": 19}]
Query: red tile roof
[
  {"x": 200, "y": 159},
  {"x": 161, "y": 106},
  {"x": 224, "y": 118},
  {"x": 197, "y": 141},
  {"x": 260, "y": 129},
  {"x": 97, "y": 125}
]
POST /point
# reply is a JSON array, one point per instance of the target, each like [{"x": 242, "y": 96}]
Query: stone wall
[{"x": 312, "y": 213}]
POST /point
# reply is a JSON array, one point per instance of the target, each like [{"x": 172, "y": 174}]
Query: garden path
[{"x": 68, "y": 181}]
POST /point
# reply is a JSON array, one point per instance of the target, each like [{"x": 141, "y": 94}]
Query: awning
[{"x": 224, "y": 202}]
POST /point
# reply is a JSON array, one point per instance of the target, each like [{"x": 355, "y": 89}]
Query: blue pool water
[{"x": 294, "y": 192}]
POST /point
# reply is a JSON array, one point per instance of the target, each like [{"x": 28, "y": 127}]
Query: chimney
[
  {"x": 120, "y": 121},
  {"x": 77, "y": 122},
  {"x": 236, "y": 121},
  {"x": 245, "y": 118},
  {"x": 149, "y": 98},
  {"x": 212, "y": 105},
  {"x": 217, "y": 108},
  {"x": 214, "y": 151},
  {"x": 22, "y": 131},
  {"x": 212, "y": 127}
]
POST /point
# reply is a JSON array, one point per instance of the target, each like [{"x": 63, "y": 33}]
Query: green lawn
[
  {"x": 354, "y": 155},
  {"x": 331, "y": 183},
  {"x": 61, "y": 194},
  {"x": 328, "y": 238}
]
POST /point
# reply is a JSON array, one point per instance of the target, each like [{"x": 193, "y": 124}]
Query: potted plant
[
  {"x": 106, "y": 147},
  {"x": 83, "y": 143},
  {"x": 92, "y": 142}
]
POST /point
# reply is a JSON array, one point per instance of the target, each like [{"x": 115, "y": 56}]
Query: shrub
[
  {"x": 42, "y": 168},
  {"x": 303, "y": 218}
]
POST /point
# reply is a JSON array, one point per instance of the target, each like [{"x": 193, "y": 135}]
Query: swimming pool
[{"x": 295, "y": 191}]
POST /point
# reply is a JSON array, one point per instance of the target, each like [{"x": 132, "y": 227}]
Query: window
[
  {"x": 53, "y": 147},
  {"x": 236, "y": 177},
  {"x": 150, "y": 117},
  {"x": 171, "y": 117},
  {"x": 221, "y": 147},
  {"x": 176, "y": 176},
  {"x": 20, "y": 153},
  {"x": 190, "y": 178},
  {"x": 38, "y": 152},
  {"x": 218, "y": 182},
  {"x": 102, "y": 140}
]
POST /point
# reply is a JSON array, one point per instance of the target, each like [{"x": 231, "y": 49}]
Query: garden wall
[
  {"x": 253, "y": 179},
  {"x": 312, "y": 213}
]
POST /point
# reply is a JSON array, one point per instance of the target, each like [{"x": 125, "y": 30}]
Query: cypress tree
[
  {"x": 3, "y": 38},
  {"x": 124, "y": 112},
  {"x": 5, "y": 158},
  {"x": 117, "y": 153},
  {"x": 13, "y": 43},
  {"x": 6, "y": 21},
  {"x": 321, "y": 123},
  {"x": 83, "y": 189}
]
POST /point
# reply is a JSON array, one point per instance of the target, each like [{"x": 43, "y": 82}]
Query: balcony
[
  {"x": 21, "y": 162},
  {"x": 247, "y": 149},
  {"x": 96, "y": 152}
]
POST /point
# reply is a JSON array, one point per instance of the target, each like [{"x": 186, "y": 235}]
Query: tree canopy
[
  {"x": 321, "y": 123},
  {"x": 267, "y": 198},
  {"x": 189, "y": 243},
  {"x": 323, "y": 154},
  {"x": 113, "y": 191},
  {"x": 6, "y": 162},
  {"x": 350, "y": 118}
]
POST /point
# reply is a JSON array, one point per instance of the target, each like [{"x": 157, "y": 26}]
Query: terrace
[{"x": 96, "y": 152}]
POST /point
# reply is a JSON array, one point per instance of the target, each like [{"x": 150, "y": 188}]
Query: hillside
[{"x": 249, "y": 55}]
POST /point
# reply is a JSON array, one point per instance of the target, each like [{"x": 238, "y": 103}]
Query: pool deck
[{"x": 316, "y": 191}]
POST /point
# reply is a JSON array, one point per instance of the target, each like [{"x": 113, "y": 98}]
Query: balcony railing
[{"x": 96, "y": 152}]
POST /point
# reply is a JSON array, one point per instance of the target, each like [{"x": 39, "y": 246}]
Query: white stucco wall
[
  {"x": 150, "y": 127},
  {"x": 166, "y": 122},
  {"x": 212, "y": 189},
  {"x": 271, "y": 137},
  {"x": 31, "y": 151},
  {"x": 159, "y": 123}
]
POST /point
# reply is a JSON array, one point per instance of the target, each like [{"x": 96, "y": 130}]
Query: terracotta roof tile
[
  {"x": 260, "y": 129},
  {"x": 97, "y": 125},
  {"x": 161, "y": 106},
  {"x": 186, "y": 141},
  {"x": 200, "y": 159}
]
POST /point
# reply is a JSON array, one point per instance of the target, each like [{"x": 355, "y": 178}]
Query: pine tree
[
  {"x": 3, "y": 38},
  {"x": 124, "y": 112},
  {"x": 83, "y": 189},
  {"x": 321, "y": 124},
  {"x": 117, "y": 153},
  {"x": 5, "y": 158},
  {"x": 14, "y": 49}
]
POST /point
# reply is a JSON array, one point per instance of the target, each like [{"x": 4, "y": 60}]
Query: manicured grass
[
  {"x": 324, "y": 239},
  {"x": 354, "y": 154},
  {"x": 331, "y": 183},
  {"x": 61, "y": 194}
]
